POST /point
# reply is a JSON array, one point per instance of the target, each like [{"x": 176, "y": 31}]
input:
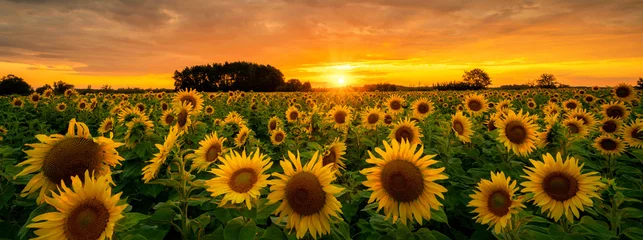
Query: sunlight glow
[{"x": 341, "y": 81}]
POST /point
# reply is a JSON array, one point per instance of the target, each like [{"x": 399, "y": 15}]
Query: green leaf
[
  {"x": 222, "y": 214},
  {"x": 248, "y": 231},
  {"x": 233, "y": 229},
  {"x": 403, "y": 233},
  {"x": 44, "y": 208},
  {"x": 378, "y": 223},
  {"x": 273, "y": 232},
  {"x": 574, "y": 236},
  {"x": 439, "y": 215},
  {"x": 216, "y": 235},
  {"x": 264, "y": 210},
  {"x": 163, "y": 215},
  {"x": 131, "y": 219},
  {"x": 424, "y": 233},
  {"x": 556, "y": 231},
  {"x": 439, "y": 236},
  {"x": 634, "y": 233},
  {"x": 134, "y": 237}
]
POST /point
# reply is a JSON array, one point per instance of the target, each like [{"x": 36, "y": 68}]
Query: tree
[
  {"x": 244, "y": 76},
  {"x": 639, "y": 83},
  {"x": 476, "y": 78},
  {"x": 546, "y": 80},
  {"x": 11, "y": 84},
  {"x": 42, "y": 89},
  {"x": 60, "y": 87}
]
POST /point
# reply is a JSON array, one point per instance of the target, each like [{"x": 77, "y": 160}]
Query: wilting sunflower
[
  {"x": 277, "y": 136},
  {"x": 209, "y": 110},
  {"x": 422, "y": 108},
  {"x": 615, "y": 110},
  {"x": 57, "y": 158},
  {"x": 137, "y": 129},
  {"x": 572, "y": 104},
  {"x": 182, "y": 112},
  {"x": 395, "y": 104},
  {"x": 609, "y": 145},
  {"x": 406, "y": 130},
  {"x": 461, "y": 125},
  {"x": 17, "y": 102},
  {"x": 372, "y": 117},
  {"x": 307, "y": 197},
  {"x": 61, "y": 107},
  {"x": 517, "y": 132},
  {"x": 624, "y": 92},
  {"x": 611, "y": 125},
  {"x": 168, "y": 119},
  {"x": 334, "y": 155},
  {"x": 582, "y": 114},
  {"x": 209, "y": 151},
  {"x": 340, "y": 116},
  {"x": 559, "y": 187},
  {"x": 239, "y": 178},
  {"x": 189, "y": 97},
  {"x": 242, "y": 137},
  {"x": 106, "y": 126},
  {"x": 154, "y": 165},
  {"x": 633, "y": 134},
  {"x": 292, "y": 114},
  {"x": 575, "y": 127},
  {"x": 274, "y": 123},
  {"x": 475, "y": 104},
  {"x": 402, "y": 182},
  {"x": 87, "y": 210},
  {"x": 127, "y": 114},
  {"x": 495, "y": 203}
]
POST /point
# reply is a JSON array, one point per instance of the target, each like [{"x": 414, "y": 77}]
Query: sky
[{"x": 140, "y": 43}]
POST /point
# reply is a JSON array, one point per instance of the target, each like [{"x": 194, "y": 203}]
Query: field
[{"x": 506, "y": 164}]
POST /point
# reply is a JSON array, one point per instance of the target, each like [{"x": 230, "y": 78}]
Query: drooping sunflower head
[
  {"x": 372, "y": 117},
  {"x": 422, "y": 107},
  {"x": 395, "y": 104},
  {"x": 624, "y": 92},
  {"x": 209, "y": 110},
  {"x": 334, "y": 155},
  {"x": 402, "y": 182},
  {"x": 58, "y": 158},
  {"x": 168, "y": 118},
  {"x": 571, "y": 104},
  {"x": 242, "y": 137},
  {"x": 239, "y": 178},
  {"x": 137, "y": 130},
  {"x": 277, "y": 136},
  {"x": 611, "y": 125},
  {"x": 462, "y": 127},
  {"x": 575, "y": 127},
  {"x": 406, "y": 130},
  {"x": 234, "y": 119},
  {"x": 517, "y": 131},
  {"x": 633, "y": 134},
  {"x": 152, "y": 168},
  {"x": 559, "y": 187},
  {"x": 340, "y": 116},
  {"x": 292, "y": 114},
  {"x": 609, "y": 145},
  {"x": 61, "y": 107},
  {"x": 274, "y": 123},
  {"x": 183, "y": 114},
  {"x": 106, "y": 126},
  {"x": 615, "y": 110},
  {"x": 475, "y": 104},
  {"x": 84, "y": 210},
  {"x": 495, "y": 202},
  {"x": 188, "y": 97},
  {"x": 306, "y": 194}
]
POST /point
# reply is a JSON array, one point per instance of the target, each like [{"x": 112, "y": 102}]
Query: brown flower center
[
  {"x": 570, "y": 105},
  {"x": 272, "y": 125},
  {"x": 402, "y": 180},
  {"x": 404, "y": 132},
  {"x": 279, "y": 137},
  {"x": 499, "y": 203},
  {"x": 395, "y": 105},
  {"x": 164, "y": 106},
  {"x": 623, "y": 92},
  {"x": 190, "y": 100},
  {"x": 609, "y": 126},
  {"x": 458, "y": 127},
  {"x": 491, "y": 125},
  {"x": 87, "y": 221},
  {"x": 608, "y": 144},
  {"x": 182, "y": 117},
  {"x": 169, "y": 119},
  {"x": 637, "y": 133},
  {"x": 330, "y": 158},
  {"x": 474, "y": 105},
  {"x": 140, "y": 107},
  {"x": 423, "y": 108},
  {"x": 35, "y": 98},
  {"x": 243, "y": 180},
  {"x": 293, "y": 115},
  {"x": 388, "y": 119},
  {"x": 70, "y": 157},
  {"x": 109, "y": 125},
  {"x": 516, "y": 132},
  {"x": 373, "y": 118},
  {"x": 213, "y": 153},
  {"x": 573, "y": 128},
  {"x": 615, "y": 111},
  {"x": 340, "y": 117},
  {"x": 583, "y": 118},
  {"x": 560, "y": 186},
  {"x": 304, "y": 194}
]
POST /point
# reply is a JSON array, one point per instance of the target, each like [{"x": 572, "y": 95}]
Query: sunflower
[
  {"x": 402, "y": 182},
  {"x": 571, "y": 104},
  {"x": 503, "y": 105},
  {"x": 210, "y": 148},
  {"x": 292, "y": 114},
  {"x": 167, "y": 119},
  {"x": 495, "y": 203},
  {"x": 551, "y": 109},
  {"x": 531, "y": 105},
  {"x": 242, "y": 137},
  {"x": 334, "y": 155},
  {"x": 422, "y": 108},
  {"x": 491, "y": 122},
  {"x": 388, "y": 119},
  {"x": 633, "y": 134},
  {"x": 69, "y": 92},
  {"x": 61, "y": 107},
  {"x": 277, "y": 136},
  {"x": 234, "y": 118},
  {"x": 87, "y": 210},
  {"x": 609, "y": 145},
  {"x": 615, "y": 110},
  {"x": 475, "y": 104},
  {"x": 589, "y": 98},
  {"x": 191, "y": 98},
  {"x": 164, "y": 106},
  {"x": 341, "y": 116},
  {"x": 461, "y": 125},
  {"x": 624, "y": 92},
  {"x": 17, "y": 102},
  {"x": 517, "y": 132},
  {"x": 611, "y": 125},
  {"x": 372, "y": 117},
  {"x": 182, "y": 112},
  {"x": 209, "y": 110},
  {"x": 137, "y": 129},
  {"x": 559, "y": 187},
  {"x": 307, "y": 197},
  {"x": 82, "y": 105},
  {"x": 239, "y": 178},
  {"x": 140, "y": 107},
  {"x": 154, "y": 165},
  {"x": 394, "y": 104},
  {"x": 106, "y": 126},
  {"x": 57, "y": 158},
  {"x": 407, "y": 130},
  {"x": 127, "y": 114},
  {"x": 34, "y": 98},
  {"x": 48, "y": 93},
  {"x": 582, "y": 114},
  {"x": 575, "y": 127},
  {"x": 274, "y": 123}
]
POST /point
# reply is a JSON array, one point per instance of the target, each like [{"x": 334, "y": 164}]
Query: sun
[{"x": 341, "y": 81}]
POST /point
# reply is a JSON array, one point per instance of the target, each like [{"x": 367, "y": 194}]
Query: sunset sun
[{"x": 340, "y": 81}]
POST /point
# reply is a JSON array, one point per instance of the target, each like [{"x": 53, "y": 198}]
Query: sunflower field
[{"x": 491, "y": 164}]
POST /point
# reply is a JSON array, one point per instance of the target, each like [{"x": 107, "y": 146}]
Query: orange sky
[{"x": 406, "y": 42}]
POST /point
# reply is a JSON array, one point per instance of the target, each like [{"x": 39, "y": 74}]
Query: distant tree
[
  {"x": 476, "y": 78},
  {"x": 546, "y": 80},
  {"x": 639, "y": 83},
  {"x": 89, "y": 87},
  {"x": 106, "y": 87},
  {"x": 11, "y": 84},
  {"x": 42, "y": 89},
  {"x": 60, "y": 87},
  {"x": 244, "y": 76},
  {"x": 306, "y": 87}
]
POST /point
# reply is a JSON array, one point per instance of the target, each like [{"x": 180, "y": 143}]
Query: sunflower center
[
  {"x": 583, "y": 118},
  {"x": 608, "y": 144},
  {"x": 614, "y": 111},
  {"x": 423, "y": 108},
  {"x": 140, "y": 107},
  {"x": 213, "y": 153},
  {"x": 87, "y": 221},
  {"x": 560, "y": 186},
  {"x": 164, "y": 106},
  {"x": 516, "y": 132},
  {"x": 82, "y": 105},
  {"x": 35, "y": 98},
  {"x": 571, "y": 105},
  {"x": 636, "y": 133},
  {"x": 340, "y": 117},
  {"x": 71, "y": 157},
  {"x": 491, "y": 125},
  {"x": 61, "y": 107},
  {"x": 243, "y": 180},
  {"x": 294, "y": 115},
  {"x": 402, "y": 180},
  {"x": 622, "y": 92},
  {"x": 183, "y": 117},
  {"x": 330, "y": 158},
  {"x": 209, "y": 110},
  {"x": 531, "y": 104},
  {"x": 573, "y": 128},
  {"x": 589, "y": 99},
  {"x": 474, "y": 105},
  {"x": 405, "y": 133},
  {"x": 609, "y": 127},
  {"x": 169, "y": 119},
  {"x": 395, "y": 105},
  {"x": 304, "y": 194},
  {"x": 108, "y": 126},
  {"x": 458, "y": 127},
  {"x": 373, "y": 118},
  {"x": 499, "y": 203},
  {"x": 388, "y": 119},
  {"x": 279, "y": 137},
  {"x": 189, "y": 99}
]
